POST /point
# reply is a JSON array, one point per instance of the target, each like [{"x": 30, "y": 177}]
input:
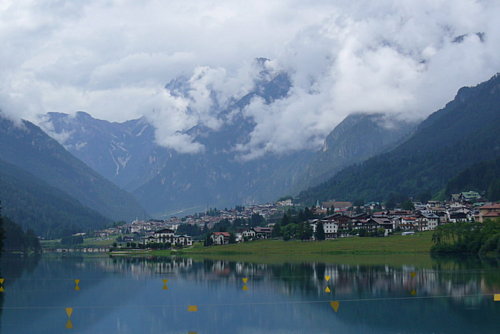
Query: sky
[{"x": 113, "y": 58}]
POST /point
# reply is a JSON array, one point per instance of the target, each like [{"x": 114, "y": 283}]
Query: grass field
[
  {"x": 410, "y": 244},
  {"x": 394, "y": 250}
]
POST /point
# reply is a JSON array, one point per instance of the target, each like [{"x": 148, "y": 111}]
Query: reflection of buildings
[{"x": 347, "y": 281}]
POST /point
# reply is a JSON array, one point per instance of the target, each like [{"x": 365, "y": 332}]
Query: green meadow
[{"x": 395, "y": 250}]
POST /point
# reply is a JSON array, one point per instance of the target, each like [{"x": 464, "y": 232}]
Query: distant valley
[
  {"x": 103, "y": 171},
  {"x": 167, "y": 182}
]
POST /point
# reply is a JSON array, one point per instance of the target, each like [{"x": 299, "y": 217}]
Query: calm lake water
[{"x": 129, "y": 296}]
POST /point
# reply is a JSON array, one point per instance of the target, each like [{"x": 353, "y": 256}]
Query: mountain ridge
[
  {"x": 29, "y": 148},
  {"x": 448, "y": 141}
]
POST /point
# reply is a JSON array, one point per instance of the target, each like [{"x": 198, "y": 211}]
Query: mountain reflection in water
[{"x": 128, "y": 295}]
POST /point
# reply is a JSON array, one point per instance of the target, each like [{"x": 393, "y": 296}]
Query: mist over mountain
[
  {"x": 30, "y": 149},
  {"x": 355, "y": 139},
  {"x": 450, "y": 140},
  {"x": 167, "y": 181}
]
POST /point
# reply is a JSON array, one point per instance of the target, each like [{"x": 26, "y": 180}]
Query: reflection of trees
[
  {"x": 447, "y": 277},
  {"x": 14, "y": 272}
]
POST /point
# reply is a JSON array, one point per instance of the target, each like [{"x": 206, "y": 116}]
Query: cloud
[{"x": 113, "y": 59}]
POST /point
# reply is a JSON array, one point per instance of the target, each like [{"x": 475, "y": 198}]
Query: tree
[
  {"x": 72, "y": 240},
  {"x": 289, "y": 231},
  {"x": 359, "y": 202},
  {"x": 390, "y": 204},
  {"x": 276, "y": 230},
  {"x": 32, "y": 242},
  {"x": 256, "y": 220},
  {"x": 208, "y": 240},
  {"x": 408, "y": 205},
  {"x": 307, "y": 231},
  {"x": 424, "y": 197},
  {"x": 232, "y": 238},
  {"x": 320, "y": 232},
  {"x": 285, "y": 220}
]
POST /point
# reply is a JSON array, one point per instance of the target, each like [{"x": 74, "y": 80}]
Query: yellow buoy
[
  {"x": 327, "y": 277},
  {"x": 496, "y": 297},
  {"x": 327, "y": 290},
  {"x": 69, "y": 324},
  {"x": 244, "y": 288},
  {"x": 335, "y": 305},
  {"x": 245, "y": 280},
  {"x": 192, "y": 308},
  {"x": 69, "y": 311}
]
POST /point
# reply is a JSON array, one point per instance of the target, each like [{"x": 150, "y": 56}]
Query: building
[
  {"x": 167, "y": 236},
  {"x": 458, "y": 217},
  {"x": 489, "y": 211},
  {"x": 329, "y": 226},
  {"x": 220, "y": 238},
  {"x": 431, "y": 221},
  {"x": 337, "y": 205},
  {"x": 385, "y": 223},
  {"x": 263, "y": 232},
  {"x": 248, "y": 234}
]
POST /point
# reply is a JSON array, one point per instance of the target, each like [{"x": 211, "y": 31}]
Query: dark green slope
[
  {"x": 30, "y": 149},
  {"x": 355, "y": 139},
  {"x": 483, "y": 177},
  {"x": 463, "y": 133},
  {"x": 48, "y": 211}
]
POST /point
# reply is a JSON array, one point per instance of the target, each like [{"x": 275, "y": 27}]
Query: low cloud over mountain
[{"x": 113, "y": 60}]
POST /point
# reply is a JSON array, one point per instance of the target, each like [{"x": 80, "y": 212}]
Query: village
[{"x": 336, "y": 219}]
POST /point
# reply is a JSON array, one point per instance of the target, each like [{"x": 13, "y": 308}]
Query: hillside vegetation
[
  {"x": 450, "y": 140},
  {"x": 46, "y": 210}
]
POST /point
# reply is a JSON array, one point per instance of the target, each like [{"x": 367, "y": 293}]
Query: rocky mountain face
[
  {"x": 168, "y": 182},
  {"x": 124, "y": 153}
]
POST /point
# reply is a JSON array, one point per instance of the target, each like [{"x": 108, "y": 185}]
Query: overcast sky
[{"x": 113, "y": 58}]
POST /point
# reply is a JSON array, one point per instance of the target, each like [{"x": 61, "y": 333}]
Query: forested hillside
[
  {"x": 452, "y": 139},
  {"x": 27, "y": 147},
  {"x": 483, "y": 177},
  {"x": 46, "y": 210}
]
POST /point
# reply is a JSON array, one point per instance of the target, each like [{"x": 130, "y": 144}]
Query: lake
[{"x": 182, "y": 295}]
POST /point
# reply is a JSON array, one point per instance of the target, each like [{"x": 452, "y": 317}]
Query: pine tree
[{"x": 320, "y": 232}]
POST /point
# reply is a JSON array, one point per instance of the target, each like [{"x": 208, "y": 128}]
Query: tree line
[
  {"x": 473, "y": 238},
  {"x": 14, "y": 239}
]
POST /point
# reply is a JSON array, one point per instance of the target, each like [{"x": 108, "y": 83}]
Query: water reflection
[{"x": 127, "y": 295}]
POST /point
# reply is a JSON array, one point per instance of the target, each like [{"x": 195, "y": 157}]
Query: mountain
[
  {"x": 167, "y": 182},
  {"x": 48, "y": 211},
  {"x": 483, "y": 177},
  {"x": 124, "y": 153},
  {"x": 355, "y": 139},
  {"x": 450, "y": 140},
  {"x": 29, "y": 148}
]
